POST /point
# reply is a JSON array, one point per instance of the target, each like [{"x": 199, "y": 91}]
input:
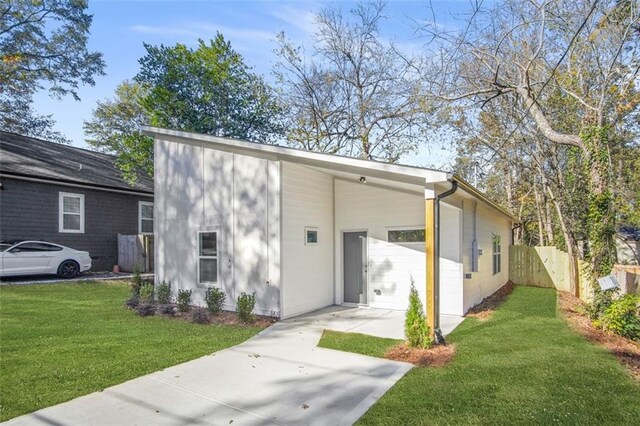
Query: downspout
[{"x": 436, "y": 252}]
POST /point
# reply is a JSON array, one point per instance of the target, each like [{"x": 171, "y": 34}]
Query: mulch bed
[
  {"x": 226, "y": 318},
  {"x": 441, "y": 355},
  {"x": 485, "y": 309},
  {"x": 627, "y": 351},
  {"x": 436, "y": 356},
  {"x": 207, "y": 318}
]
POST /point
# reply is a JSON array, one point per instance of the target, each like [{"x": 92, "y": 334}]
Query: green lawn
[
  {"x": 357, "y": 343},
  {"x": 524, "y": 365},
  {"x": 60, "y": 341}
]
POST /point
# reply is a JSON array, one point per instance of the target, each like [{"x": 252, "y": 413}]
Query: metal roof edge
[{"x": 278, "y": 150}]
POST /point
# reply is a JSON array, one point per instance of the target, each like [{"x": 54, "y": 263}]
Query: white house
[{"x": 306, "y": 230}]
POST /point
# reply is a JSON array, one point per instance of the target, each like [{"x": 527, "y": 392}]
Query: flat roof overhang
[{"x": 394, "y": 176}]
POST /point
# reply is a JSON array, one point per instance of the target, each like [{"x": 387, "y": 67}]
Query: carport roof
[{"x": 357, "y": 166}]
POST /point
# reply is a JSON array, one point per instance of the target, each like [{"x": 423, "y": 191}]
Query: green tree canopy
[
  {"x": 207, "y": 90},
  {"x": 115, "y": 128},
  {"x": 43, "y": 46}
]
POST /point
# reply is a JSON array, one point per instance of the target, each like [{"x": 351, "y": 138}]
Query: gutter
[{"x": 436, "y": 265}]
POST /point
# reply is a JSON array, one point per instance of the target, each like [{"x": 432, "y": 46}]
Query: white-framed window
[
  {"x": 310, "y": 235},
  {"x": 71, "y": 213},
  {"x": 145, "y": 217},
  {"x": 406, "y": 235},
  {"x": 207, "y": 257},
  {"x": 496, "y": 253}
]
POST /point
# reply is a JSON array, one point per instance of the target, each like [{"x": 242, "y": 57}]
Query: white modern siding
[
  {"x": 362, "y": 207},
  {"x": 484, "y": 282},
  {"x": 307, "y": 269},
  {"x": 451, "y": 268},
  {"x": 202, "y": 189}
]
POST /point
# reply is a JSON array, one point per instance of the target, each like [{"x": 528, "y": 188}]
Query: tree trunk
[
  {"x": 536, "y": 195},
  {"x": 570, "y": 243}
]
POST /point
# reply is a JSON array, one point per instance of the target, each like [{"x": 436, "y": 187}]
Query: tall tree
[
  {"x": 207, "y": 90},
  {"x": 355, "y": 94},
  {"x": 533, "y": 53},
  {"x": 43, "y": 46},
  {"x": 115, "y": 128}
]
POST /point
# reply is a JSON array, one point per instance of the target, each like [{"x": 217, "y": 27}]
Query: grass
[
  {"x": 62, "y": 341},
  {"x": 357, "y": 343},
  {"x": 524, "y": 365}
]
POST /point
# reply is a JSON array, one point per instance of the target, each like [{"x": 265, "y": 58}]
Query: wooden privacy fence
[
  {"x": 545, "y": 267},
  {"x": 135, "y": 250}
]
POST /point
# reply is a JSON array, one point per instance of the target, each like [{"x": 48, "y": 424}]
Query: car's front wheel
[{"x": 68, "y": 269}]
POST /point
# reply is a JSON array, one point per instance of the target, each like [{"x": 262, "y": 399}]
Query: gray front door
[{"x": 355, "y": 267}]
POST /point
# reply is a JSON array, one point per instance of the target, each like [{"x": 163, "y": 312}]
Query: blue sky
[{"x": 120, "y": 27}]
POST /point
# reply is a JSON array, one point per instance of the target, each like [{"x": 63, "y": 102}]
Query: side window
[
  {"x": 36, "y": 247},
  {"x": 496, "y": 253},
  {"x": 71, "y": 212},
  {"x": 207, "y": 257},
  {"x": 145, "y": 217}
]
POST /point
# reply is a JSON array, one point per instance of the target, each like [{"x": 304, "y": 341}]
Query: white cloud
[{"x": 301, "y": 19}]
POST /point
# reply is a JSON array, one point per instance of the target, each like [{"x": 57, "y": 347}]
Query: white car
[{"x": 42, "y": 258}]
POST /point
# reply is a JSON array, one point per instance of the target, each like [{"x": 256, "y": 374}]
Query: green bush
[
  {"x": 601, "y": 302},
  {"x": 244, "y": 307},
  {"x": 215, "y": 298},
  {"x": 416, "y": 329},
  {"x": 623, "y": 317},
  {"x": 184, "y": 300},
  {"x": 136, "y": 283},
  {"x": 146, "y": 293},
  {"x": 163, "y": 293}
]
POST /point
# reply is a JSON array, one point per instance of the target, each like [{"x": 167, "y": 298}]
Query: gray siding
[{"x": 29, "y": 210}]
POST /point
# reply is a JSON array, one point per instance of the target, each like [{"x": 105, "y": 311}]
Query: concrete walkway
[{"x": 278, "y": 377}]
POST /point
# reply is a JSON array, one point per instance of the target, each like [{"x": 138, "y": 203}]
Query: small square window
[{"x": 311, "y": 235}]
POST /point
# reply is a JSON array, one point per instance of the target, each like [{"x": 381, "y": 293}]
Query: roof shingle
[{"x": 37, "y": 158}]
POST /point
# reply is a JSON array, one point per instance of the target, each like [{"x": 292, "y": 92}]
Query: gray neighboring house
[{"x": 69, "y": 196}]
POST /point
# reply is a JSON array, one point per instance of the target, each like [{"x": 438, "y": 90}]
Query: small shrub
[
  {"x": 133, "y": 301},
  {"x": 184, "y": 300},
  {"x": 167, "y": 310},
  {"x": 199, "y": 316},
  {"x": 623, "y": 317},
  {"x": 146, "y": 292},
  {"x": 244, "y": 307},
  {"x": 163, "y": 293},
  {"x": 136, "y": 283},
  {"x": 215, "y": 298},
  {"x": 602, "y": 299},
  {"x": 146, "y": 309},
  {"x": 416, "y": 329}
]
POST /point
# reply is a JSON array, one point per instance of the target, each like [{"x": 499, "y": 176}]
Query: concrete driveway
[{"x": 277, "y": 377}]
